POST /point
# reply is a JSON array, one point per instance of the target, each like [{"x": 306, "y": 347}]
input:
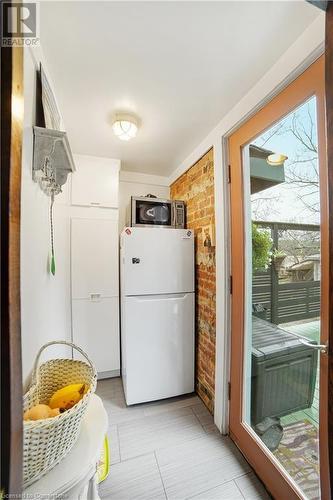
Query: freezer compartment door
[
  {"x": 159, "y": 352},
  {"x": 157, "y": 261}
]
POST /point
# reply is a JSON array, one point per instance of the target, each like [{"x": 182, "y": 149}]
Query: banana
[{"x": 68, "y": 396}]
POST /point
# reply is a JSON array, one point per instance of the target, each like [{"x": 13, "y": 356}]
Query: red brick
[{"x": 196, "y": 188}]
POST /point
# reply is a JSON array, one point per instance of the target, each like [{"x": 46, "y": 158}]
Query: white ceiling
[{"x": 179, "y": 66}]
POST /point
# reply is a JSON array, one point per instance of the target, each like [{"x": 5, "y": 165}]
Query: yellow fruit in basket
[
  {"x": 68, "y": 396},
  {"x": 39, "y": 412}
]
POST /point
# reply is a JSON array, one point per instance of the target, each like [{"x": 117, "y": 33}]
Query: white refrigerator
[{"x": 157, "y": 313}]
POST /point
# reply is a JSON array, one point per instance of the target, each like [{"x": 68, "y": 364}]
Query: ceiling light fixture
[
  {"x": 125, "y": 126},
  {"x": 276, "y": 159}
]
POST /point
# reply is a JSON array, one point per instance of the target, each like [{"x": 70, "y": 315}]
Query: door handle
[
  {"x": 95, "y": 297},
  {"x": 323, "y": 348},
  {"x": 163, "y": 296}
]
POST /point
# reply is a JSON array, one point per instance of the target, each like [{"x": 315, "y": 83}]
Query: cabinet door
[
  {"x": 94, "y": 258},
  {"x": 96, "y": 330},
  {"x": 95, "y": 182}
]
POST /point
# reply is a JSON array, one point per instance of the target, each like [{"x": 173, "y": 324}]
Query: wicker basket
[{"x": 47, "y": 441}]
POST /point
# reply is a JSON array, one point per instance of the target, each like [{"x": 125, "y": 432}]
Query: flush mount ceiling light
[
  {"x": 276, "y": 159},
  {"x": 125, "y": 126}
]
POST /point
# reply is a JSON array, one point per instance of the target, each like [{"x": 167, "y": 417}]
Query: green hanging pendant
[
  {"x": 52, "y": 263},
  {"x": 52, "y": 267}
]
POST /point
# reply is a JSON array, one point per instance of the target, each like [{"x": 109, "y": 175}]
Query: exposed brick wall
[{"x": 196, "y": 188}]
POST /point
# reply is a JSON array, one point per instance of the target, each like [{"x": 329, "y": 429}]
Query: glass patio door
[{"x": 279, "y": 302}]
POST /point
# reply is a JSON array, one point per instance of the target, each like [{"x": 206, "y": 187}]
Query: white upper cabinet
[{"x": 95, "y": 182}]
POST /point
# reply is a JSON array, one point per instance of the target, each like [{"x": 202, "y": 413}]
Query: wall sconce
[{"x": 52, "y": 160}]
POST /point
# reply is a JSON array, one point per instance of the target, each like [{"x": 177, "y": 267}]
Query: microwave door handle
[{"x": 174, "y": 214}]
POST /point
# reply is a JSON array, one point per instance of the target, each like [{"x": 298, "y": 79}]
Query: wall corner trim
[{"x": 141, "y": 178}]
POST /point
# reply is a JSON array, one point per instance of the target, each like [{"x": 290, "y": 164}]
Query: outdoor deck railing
[
  {"x": 293, "y": 302},
  {"x": 285, "y": 302}
]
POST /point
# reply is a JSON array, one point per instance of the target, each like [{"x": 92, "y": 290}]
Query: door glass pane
[{"x": 281, "y": 399}]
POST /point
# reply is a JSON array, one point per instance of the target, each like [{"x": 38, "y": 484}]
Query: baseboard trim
[{"x": 108, "y": 374}]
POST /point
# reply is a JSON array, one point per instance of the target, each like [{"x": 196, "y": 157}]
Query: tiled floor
[{"x": 171, "y": 450}]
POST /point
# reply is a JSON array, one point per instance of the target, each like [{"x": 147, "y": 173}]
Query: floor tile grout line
[
  {"x": 159, "y": 470},
  {"x": 213, "y": 488},
  {"x": 119, "y": 443},
  {"x": 252, "y": 472},
  {"x": 166, "y": 410},
  {"x": 171, "y": 421},
  {"x": 240, "y": 491},
  {"x": 202, "y": 436},
  {"x": 125, "y": 460},
  {"x": 196, "y": 416},
  {"x": 221, "y": 484}
]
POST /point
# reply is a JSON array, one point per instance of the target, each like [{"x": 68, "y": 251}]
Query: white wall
[
  {"x": 45, "y": 299},
  {"x": 305, "y": 50},
  {"x": 136, "y": 184}
]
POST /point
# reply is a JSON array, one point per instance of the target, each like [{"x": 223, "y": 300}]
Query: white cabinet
[
  {"x": 94, "y": 261},
  {"x": 95, "y": 182},
  {"x": 96, "y": 330},
  {"x": 95, "y": 292},
  {"x": 94, "y": 250}
]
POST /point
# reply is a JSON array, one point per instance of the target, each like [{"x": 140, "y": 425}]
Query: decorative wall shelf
[{"x": 52, "y": 159}]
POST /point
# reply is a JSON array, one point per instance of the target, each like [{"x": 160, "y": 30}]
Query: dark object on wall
[
  {"x": 283, "y": 372},
  {"x": 52, "y": 116},
  {"x": 39, "y": 112}
]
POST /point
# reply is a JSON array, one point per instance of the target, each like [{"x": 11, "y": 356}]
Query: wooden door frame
[
  {"x": 308, "y": 84},
  {"x": 11, "y": 374},
  {"x": 329, "y": 138}
]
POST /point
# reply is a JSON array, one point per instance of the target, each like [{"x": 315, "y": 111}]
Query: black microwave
[{"x": 155, "y": 212}]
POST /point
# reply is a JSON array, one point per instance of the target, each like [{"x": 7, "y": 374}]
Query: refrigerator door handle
[{"x": 163, "y": 296}]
